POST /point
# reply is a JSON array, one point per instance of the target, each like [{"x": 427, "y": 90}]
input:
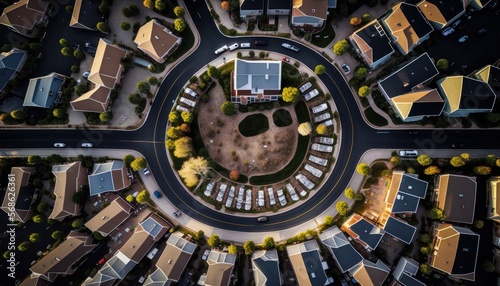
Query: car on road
[
  {"x": 221, "y": 50},
  {"x": 463, "y": 39},
  {"x": 408, "y": 153},
  {"x": 262, "y": 219},
  {"x": 260, "y": 43},
  {"x": 481, "y": 31},
  {"x": 157, "y": 194},
  {"x": 177, "y": 213},
  {"x": 87, "y": 145},
  {"x": 59, "y": 145},
  {"x": 146, "y": 171},
  {"x": 285, "y": 59},
  {"x": 234, "y": 46},
  {"x": 447, "y": 31},
  {"x": 245, "y": 45},
  {"x": 205, "y": 254},
  {"x": 346, "y": 68},
  {"x": 305, "y": 87},
  {"x": 290, "y": 47}
]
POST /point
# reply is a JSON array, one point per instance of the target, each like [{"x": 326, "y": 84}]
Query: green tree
[
  {"x": 251, "y": 54},
  {"x": 363, "y": 91},
  {"x": 465, "y": 156},
  {"x": 34, "y": 237},
  {"x": 340, "y": 47},
  {"x": 152, "y": 80},
  {"x": 160, "y": 5},
  {"x": 232, "y": 249},
  {"x": 59, "y": 113},
  {"x": 290, "y": 94},
  {"x": 39, "y": 218},
  {"x": 432, "y": 170},
  {"x": 138, "y": 163},
  {"x": 79, "y": 197},
  {"x": 42, "y": 207},
  {"x": 179, "y": 25},
  {"x": 213, "y": 72},
  {"x": 424, "y": 160},
  {"x": 319, "y": 69},
  {"x": 213, "y": 240},
  {"x": 249, "y": 247},
  {"x": 75, "y": 68},
  {"x": 328, "y": 220},
  {"x": 77, "y": 223},
  {"x": 81, "y": 89},
  {"x": 359, "y": 197},
  {"x": 442, "y": 64},
  {"x": 361, "y": 73},
  {"x": 425, "y": 250},
  {"x": 490, "y": 159},
  {"x": 79, "y": 54},
  {"x": 69, "y": 9},
  {"x": 104, "y": 7},
  {"x": 268, "y": 243},
  {"x": 103, "y": 27},
  {"x": 98, "y": 236},
  {"x": 142, "y": 197},
  {"x": 321, "y": 129},
  {"x": 67, "y": 51},
  {"x": 34, "y": 159},
  {"x": 57, "y": 235},
  {"x": 424, "y": 238},
  {"x": 179, "y": 11},
  {"x": 262, "y": 54},
  {"x": 18, "y": 114},
  {"x": 342, "y": 208},
  {"x": 149, "y": 4},
  {"x": 64, "y": 42},
  {"x": 457, "y": 161},
  {"x": 478, "y": 224},
  {"x": 174, "y": 117},
  {"x": 142, "y": 86},
  {"x": 35, "y": 47},
  {"x": 425, "y": 269},
  {"x": 129, "y": 158},
  {"x": 488, "y": 266},
  {"x": 23, "y": 246},
  {"x": 395, "y": 160},
  {"x": 6, "y": 254},
  {"x": 183, "y": 147},
  {"x": 130, "y": 199},
  {"x": 187, "y": 117},
  {"x": 366, "y": 18},
  {"x": 105, "y": 116},
  {"x": 125, "y": 25},
  {"x": 482, "y": 170},
  {"x": 435, "y": 214},
  {"x": 363, "y": 169},
  {"x": 200, "y": 235},
  {"x": 350, "y": 193},
  {"x": 174, "y": 133},
  {"x": 134, "y": 98},
  {"x": 228, "y": 108}
]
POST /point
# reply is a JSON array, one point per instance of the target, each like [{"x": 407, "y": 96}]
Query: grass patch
[
  {"x": 187, "y": 42},
  {"x": 254, "y": 124},
  {"x": 282, "y": 118},
  {"x": 374, "y": 117},
  {"x": 328, "y": 32}
]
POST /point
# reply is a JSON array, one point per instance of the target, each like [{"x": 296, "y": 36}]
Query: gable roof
[
  {"x": 251, "y": 4},
  {"x": 373, "y": 42},
  {"x": 405, "y": 272},
  {"x": 493, "y": 188},
  {"x": 34, "y": 281},
  {"x": 466, "y": 94},
  {"x": 307, "y": 263},
  {"x": 455, "y": 251},
  {"x": 404, "y": 192},
  {"x": 362, "y": 230},
  {"x": 407, "y": 26},
  {"x": 341, "y": 249},
  {"x": 278, "y": 5},
  {"x": 108, "y": 177},
  {"x": 400, "y": 229},
  {"x": 107, "y": 68},
  {"x": 24, "y": 194},
  {"x": 44, "y": 91},
  {"x": 220, "y": 266},
  {"x": 110, "y": 217},
  {"x": 491, "y": 75},
  {"x": 368, "y": 273},
  {"x": 309, "y": 11},
  {"x": 266, "y": 268},
  {"x": 442, "y": 13},
  {"x": 424, "y": 102},
  {"x": 85, "y": 15},
  {"x": 156, "y": 40},
  {"x": 23, "y": 15},
  {"x": 257, "y": 76},
  {"x": 60, "y": 261},
  {"x": 69, "y": 179},
  {"x": 456, "y": 196},
  {"x": 11, "y": 63},
  {"x": 94, "y": 100}
]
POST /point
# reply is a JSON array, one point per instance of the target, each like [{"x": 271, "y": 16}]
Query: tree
[
  {"x": 67, "y": 51},
  {"x": 262, "y": 54},
  {"x": 138, "y": 163},
  {"x": 319, "y": 69},
  {"x": 129, "y": 158},
  {"x": 395, "y": 160},
  {"x": 18, "y": 114},
  {"x": 104, "y": 7},
  {"x": 213, "y": 240},
  {"x": 160, "y": 5},
  {"x": 142, "y": 197},
  {"x": 103, "y": 27},
  {"x": 34, "y": 159},
  {"x": 290, "y": 94},
  {"x": 490, "y": 159},
  {"x": 134, "y": 98},
  {"x": 304, "y": 128},
  {"x": 442, "y": 64},
  {"x": 105, "y": 116},
  {"x": 174, "y": 133},
  {"x": 432, "y": 170},
  {"x": 75, "y": 68},
  {"x": 193, "y": 169},
  {"x": 350, "y": 193},
  {"x": 6, "y": 254},
  {"x": 234, "y": 175},
  {"x": 183, "y": 147},
  {"x": 200, "y": 235},
  {"x": 79, "y": 198},
  {"x": 152, "y": 80},
  {"x": 148, "y": 4},
  {"x": 187, "y": 117},
  {"x": 268, "y": 243},
  {"x": 328, "y": 220},
  {"x": 478, "y": 224},
  {"x": 249, "y": 247},
  {"x": 130, "y": 199},
  {"x": 232, "y": 249},
  {"x": 363, "y": 169},
  {"x": 465, "y": 156},
  {"x": 425, "y": 250},
  {"x": 424, "y": 160},
  {"x": 251, "y": 54},
  {"x": 98, "y": 236},
  {"x": 34, "y": 237},
  {"x": 228, "y": 108},
  {"x": 366, "y": 18},
  {"x": 424, "y": 238},
  {"x": 42, "y": 207},
  {"x": 25, "y": 245},
  {"x": 69, "y": 9},
  {"x": 174, "y": 117},
  {"x": 57, "y": 235},
  {"x": 482, "y": 170},
  {"x": 142, "y": 87},
  {"x": 321, "y": 129},
  {"x": 125, "y": 25},
  {"x": 39, "y": 218},
  {"x": 77, "y": 223},
  {"x": 224, "y": 5},
  {"x": 342, "y": 208},
  {"x": 425, "y": 269},
  {"x": 355, "y": 21},
  {"x": 213, "y": 72},
  {"x": 64, "y": 42},
  {"x": 361, "y": 73},
  {"x": 435, "y": 214},
  {"x": 59, "y": 113},
  {"x": 179, "y": 25},
  {"x": 179, "y": 11},
  {"x": 488, "y": 266},
  {"x": 359, "y": 197},
  {"x": 363, "y": 91}
]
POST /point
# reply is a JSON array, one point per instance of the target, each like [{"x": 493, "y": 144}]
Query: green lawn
[
  {"x": 254, "y": 124},
  {"x": 375, "y": 118},
  {"x": 282, "y": 118},
  {"x": 327, "y": 32}
]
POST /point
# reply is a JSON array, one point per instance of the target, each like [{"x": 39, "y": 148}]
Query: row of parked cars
[{"x": 248, "y": 45}]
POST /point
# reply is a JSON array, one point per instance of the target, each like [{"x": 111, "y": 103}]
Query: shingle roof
[
  {"x": 400, "y": 230},
  {"x": 24, "y": 194},
  {"x": 424, "y": 102},
  {"x": 44, "y": 91},
  {"x": 108, "y": 177},
  {"x": 278, "y": 5},
  {"x": 440, "y": 12},
  {"x": 257, "y": 75},
  {"x": 491, "y": 75},
  {"x": 85, "y": 15},
  {"x": 11, "y": 62},
  {"x": 251, "y": 4},
  {"x": 369, "y": 273},
  {"x": 309, "y": 11},
  {"x": 358, "y": 227},
  {"x": 95, "y": 100},
  {"x": 405, "y": 192},
  {"x": 405, "y": 272},
  {"x": 22, "y": 16},
  {"x": 456, "y": 196},
  {"x": 107, "y": 68},
  {"x": 342, "y": 250},
  {"x": 464, "y": 93},
  {"x": 69, "y": 179},
  {"x": 266, "y": 267},
  {"x": 110, "y": 217},
  {"x": 306, "y": 263},
  {"x": 373, "y": 42},
  {"x": 220, "y": 267},
  {"x": 156, "y": 40}
]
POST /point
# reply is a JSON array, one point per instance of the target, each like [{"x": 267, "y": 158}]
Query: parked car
[
  {"x": 101, "y": 262},
  {"x": 146, "y": 171},
  {"x": 90, "y": 49},
  {"x": 86, "y": 74},
  {"x": 234, "y": 46},
  {"x": 152, "y": 253},
  {"x": 157, "y": 194},
  {"x": 205, "y": 254},
  {"x": 285, "y": 59},
  {"x": 221, "y": 50},
  {"x": 481, "y": 31},
  {"x": 305, "y": 87},
  {"x": 290, "y": 47},
  {"x": 177, "y": 213},
  {"x": 142, "y": 279},
  {"x": 447, "y": 31},
  {"x": 87, "y": 145},
  {"x": 408, "y": 153},
  {"x": 59, "y": 145},
  {"x": 245, "y": 45},
  {"x": 463, "y": 39},
  {"x": 346, "y": 68}
]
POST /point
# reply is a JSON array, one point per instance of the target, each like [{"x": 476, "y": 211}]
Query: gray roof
[
  {"x": 342, "y": 250},
  {"x": 411, "y": 190},
  {"x": 43, "y": 91},
  {"x": 257, "y": 75},
  {"x": 10, "y": 63},
  {"x": 151, "y": 226},
  {"x": 278, "y": 5},
  {"x": 367, "y": 232},
  {"x": 400, "y": 230},
  {"x": 101, "y": 179},
  {"x": 251, "y": 5},
  {"x": 267, "y": 263},
  {"x": 117, "y": 266}
]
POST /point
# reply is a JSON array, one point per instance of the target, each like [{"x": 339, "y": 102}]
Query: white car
[
  {"x": 290, "y": 47},
  {"x": 146, "y": 171},
  {"x": 86, "y": 74},
  {"x": 59, "y": 145},
  {"x": 447, "y": 31},
  {"x": 190, "y": 92},
  {"x": 245, "y": 45},
  {"x": 221, "y": 50},
  {"x": 87, "y": 145},
  {"x": 408, "y": 153},
  {"x": 234, "y": 46},
  {"x": 205, "y": 255},
  {"x": 305, "y": 87}
]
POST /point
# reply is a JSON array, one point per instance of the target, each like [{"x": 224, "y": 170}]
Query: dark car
[
  {"x": 157, "y": 194},
  {"x": 263, "y": 219},
  {"x": 260, "y": 43},
  {"x": 90, "y": 49}
]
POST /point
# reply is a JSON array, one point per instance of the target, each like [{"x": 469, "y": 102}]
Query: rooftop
[
  {"x": 456, "y": 196},
  {"x": 400, "y": 229},
  {"x": 43, "y": 91},
  {"x": 342, "y": 250},
  {"x": 373, "y": 42}
]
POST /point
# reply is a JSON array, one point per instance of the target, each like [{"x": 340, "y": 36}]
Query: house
[
  {"x": 455, "y": 251},
  {"x": 157, "y": 41},
  {"x": 404, "y": 193},
  {"x": 94, "y": 100},
  {"x": 340, "y": 248},
  {"x": 108, "y": 177},
  {"x": 491, "y": 75},
  {"x": 465, "y": 95},
  {"x": 399, "y": 229},
  {"x": 370, "y": 273},
  {"x": 479, "y": 4},
  {"x": 256, "y": 81},
  {"x": 363, "y": 231},
  {"x": 172, "y": 261},
  {"x": 110, "y": 218},
  {"x": 278, "y": 7},
  {"x": 406, "y": 90},
  {"x": 24, "y": 195},
  {"x": 65, "y": 258},
  {"x": 406, "y": 26},
  {"x": 309, "y": 14},
  {"x": 456, "y": 196},
  {"x": 44, "y": 91},
  {"x": 11, "y": 63},
  {"x": 34, "y": 281},
  {"x": 220, "y": 268},
  {"x": 493, "y": 194},
  {"x": 69, "y": 180},
  {"x": 405, "y": 272},
  {"x": 85, "y": 15},
  {"x": 307, "y": 263},
  {"x": 251, "y": 8},
  {"x": 266, "y": 267},
  {"x": 372, "y": 44},
  {"x": 147, "y": 233},
  {"x": 442, "y": 14},
  {"x": 107, "y": 68},
  {"x": 22, "y": 16}
]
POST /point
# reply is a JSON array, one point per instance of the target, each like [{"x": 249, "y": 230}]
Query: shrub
[
  {"x": 125, "y": 25},
  {"x": 75, "y": 68}
]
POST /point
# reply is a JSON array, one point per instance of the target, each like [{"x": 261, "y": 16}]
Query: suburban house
[
  {"x": 34, "y": 281},
  {"x": 404, "y": 193},
  {"x": 342, "y": 251},
  {"x": 491, "y": 75},
  {"x": 44, "y": 91},
  {"x": 11, "y": 63},
  {"x": 22, "y": 16},
  {"x": 370, "y": 273},
  {"x": 493, "y": 193},
  {"x": 372, "y": 44},
  {"x": 456, "y": 196},
  {"x": 309, "y": 14},
  {"x": 157, "y": 41},
  {"x": 407, "y": 27},
  {"x": 108, "y": 177},
  {"x": 107, "y": 68},
  {"x": 94, "y": 100},
  {"x": 172, "y": 261},
  {"x": 220, "y": 268},
  {"x": 111, "y": 217},
  {"x": 405, "y": 272},
  {"x": 455, "y": 251},
  {"x": 146, "y": 234},
  {"x": 363, "y": 231},
  {"x": 251, "y": 8},
  {"x": 465, "y": 95},
  {"x": 85, "y": 15},
  {"x": 69, "y": 180},
  {"x": 406, "y": 90},
  {"x": 307, "y": 263},
  {"x": 479, "y": 4},
  {"x": 266, "y": 267},
  {"x": 65, "y": 258},
  {"x": 24, "y": 195},
  {"x": 256, "y": 81},
  {"x": 442, "y": 14},
  {"x": 278, "y": 7},
  {"x": 399, "y": 229}
]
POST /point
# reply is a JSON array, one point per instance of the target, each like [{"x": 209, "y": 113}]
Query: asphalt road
[{"x": 357, "y": 136}]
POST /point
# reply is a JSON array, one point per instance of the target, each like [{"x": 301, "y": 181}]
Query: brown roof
[
  {"x": 21, "y": 183},
  {"x": 23, "y": 15},
  {"x": 34, "y": 281},
  {"x": 311, "y": 8},
  {"x": 456, "y": 196},
  {"x": 401, "y": 28},
  {"x": 107, "y": 68},
  {"x": 175, "y": 257},
  {"x": 69, "y": 179},
  {"x": 432, "y": 12},
  {"x": 220, "y": 266},
  {"x": 95, "y": 100},
  {"x": 110, "y": 217},
  {"x": 493, "y": 187},
  {"x": 156, "y": 40},
  {"x": 60, "y": 260},
  {"x": 368, "y": 273}
]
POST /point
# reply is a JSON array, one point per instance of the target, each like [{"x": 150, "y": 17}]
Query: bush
[
  {"x": 152, "y": 80},
  {"x": 75, "y": 68},
  {"x": 125, "y": 25},
  {"x": 79, "y": 54},
  {"x": 57, "y": 235},
  {"x": 103, "y": 27}
]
